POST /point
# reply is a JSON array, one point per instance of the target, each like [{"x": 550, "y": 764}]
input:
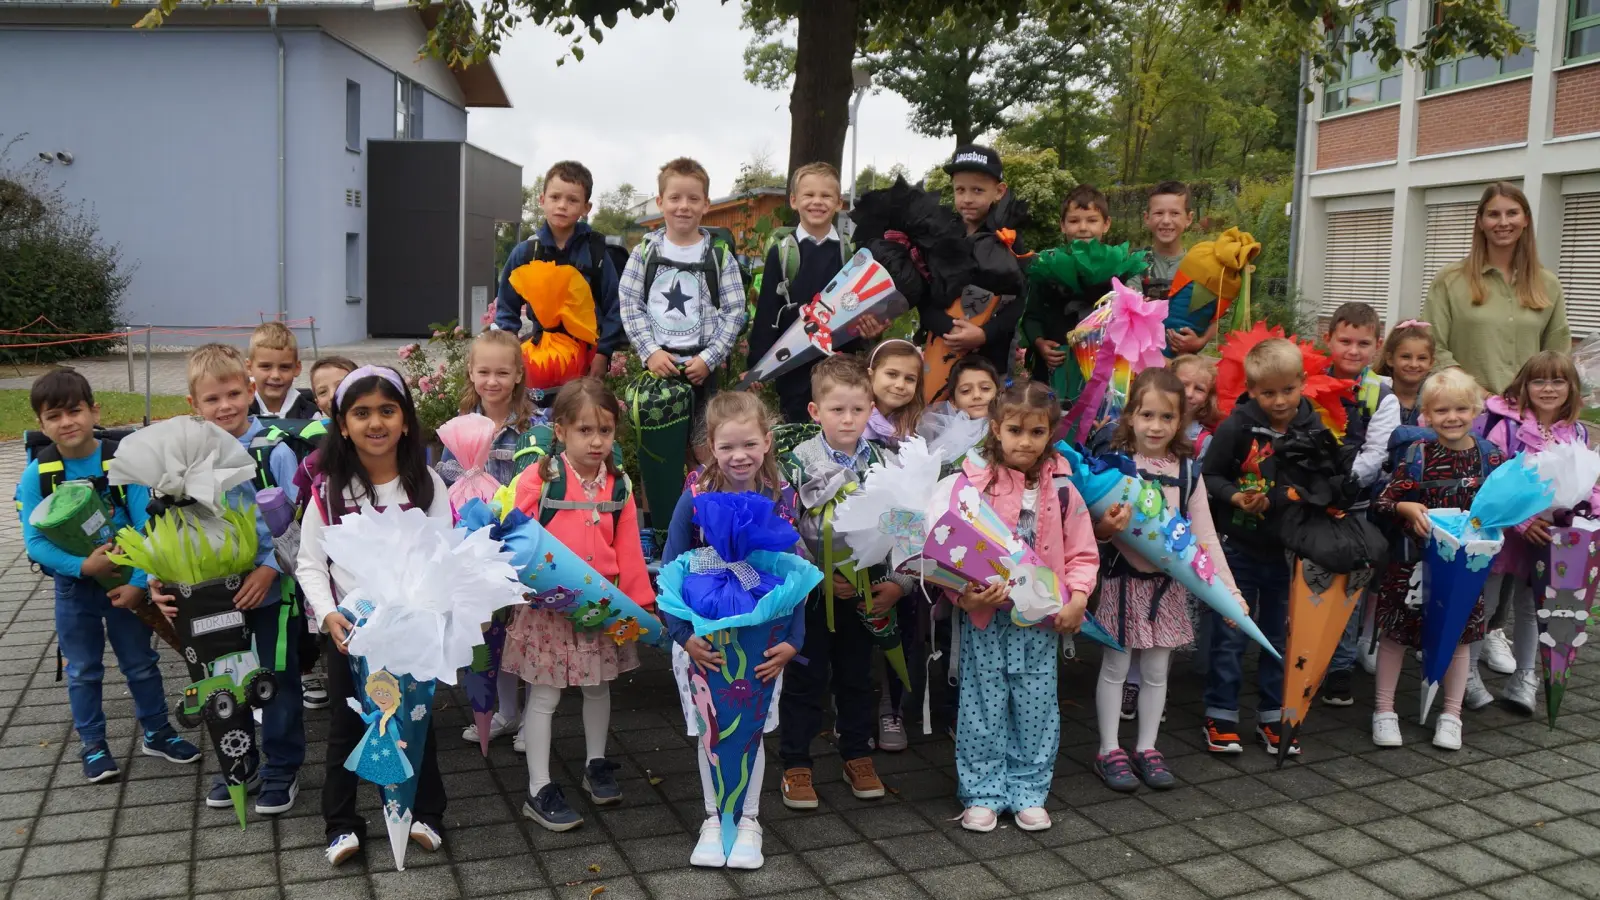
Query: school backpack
[
  {"x": 718, "y": 249},
  {"x": 600, "y": 249},
  {"x": 788, "y": 247},
  {"x": 553, "y": 497},
  {"x": 301, "y": 436},
  {"x": 540, "y": 441},
  {"x": 53, "y": 469}
]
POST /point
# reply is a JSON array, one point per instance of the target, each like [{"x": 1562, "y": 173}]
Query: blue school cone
[
  {"x": 413, "y": 717},
  {"x": 1454, "y": 569}
]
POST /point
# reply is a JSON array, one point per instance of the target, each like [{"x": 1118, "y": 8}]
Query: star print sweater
[{"x": 613, "y": 549}]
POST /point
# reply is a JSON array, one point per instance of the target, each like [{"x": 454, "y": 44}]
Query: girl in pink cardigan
[
  {"x": 1143, "y": 609},
  {"x": 585, "y": 503},
  {"x": 1008, "y": 727},
  {"x": 1539, "y": 407}
]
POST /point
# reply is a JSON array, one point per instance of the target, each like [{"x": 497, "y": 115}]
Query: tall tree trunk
[{"x": 819, "y": 105}]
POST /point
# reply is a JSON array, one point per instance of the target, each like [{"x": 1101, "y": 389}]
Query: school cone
[
  {"x": 1320, "y": 604},
  {"x": 1565, "y": 589}
]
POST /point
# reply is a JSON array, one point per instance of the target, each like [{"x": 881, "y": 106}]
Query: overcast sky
[{"x": 655, "y": 90}]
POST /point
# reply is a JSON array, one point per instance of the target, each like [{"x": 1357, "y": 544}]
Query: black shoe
[
  {"x": 1336, "y": 689},
  {"x": 549, "y": 808},
  {"x": 600, "y": 781},
  {"x": 1130, "y": 701}
]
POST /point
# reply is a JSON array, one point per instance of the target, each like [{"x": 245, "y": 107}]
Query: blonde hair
[
  {"x": 218, "y": 361},
  {"x": 385, "y": 678},
  {"x": 1272, "y": 358},
  {"x": 905, "y": 418},
  {"x": 1206, "y": 414},
  {"x": 683, "y": 167},
  {"x": 1547, "y": 364},
  {"x": 1025, "y": 398},
  {"x": 726, "y": 407},
  {"x": 1450, "y": 384},
  {"x": 1525, "y": 269},
  {"x": 825, "y": 170},
  {"x": 272, "y": 336},
  {"x": 521, "y": 405}
]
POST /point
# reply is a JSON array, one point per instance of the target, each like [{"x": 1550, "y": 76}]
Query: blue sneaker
[
  {"x": 277, "y": 796},
  {"x": 600, "y": 783},
  {"x": 219, "y": 797},
  {"x": 166, "y": 744},
  {"x": 98, "y": 763},
  {"x": 1116, "y": 771},
  {"x": 549, "y": 808}
]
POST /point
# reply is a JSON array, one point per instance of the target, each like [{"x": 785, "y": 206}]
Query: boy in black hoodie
[{"x": 1244, "y": 505}]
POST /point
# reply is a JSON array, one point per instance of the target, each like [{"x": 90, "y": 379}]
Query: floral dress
[{"x": 1449, "y": 479}]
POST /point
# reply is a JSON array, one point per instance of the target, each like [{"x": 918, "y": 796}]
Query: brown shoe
[
  {"x": 863, "y": 778},
  {"x": 797, "y": 790}
]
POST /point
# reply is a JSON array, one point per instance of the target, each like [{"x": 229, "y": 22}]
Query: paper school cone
[
  {"x": 1320, "y": 604},
  {"x": 482, "y": 680},
  {"x": 1454, "y": 570},
  {"x": 412, "y": 714},
  {"x": 832, "y": 318},
  {"x": 554, "y": 578},
  {"x": 660, "y": 410},
  {"x": 1157, "y": 533},
  {"x": 1565, "y": 585}
]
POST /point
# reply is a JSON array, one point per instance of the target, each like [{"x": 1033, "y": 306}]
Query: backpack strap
[
  {"x": 53, "y": 471},
  {"x": 553, "y": 497},
  {"x": 260, "y": 449},
  {"x": 710, "y": 265}
]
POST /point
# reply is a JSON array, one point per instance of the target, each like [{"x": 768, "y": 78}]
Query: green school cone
[{"x": 237, "y": 792}]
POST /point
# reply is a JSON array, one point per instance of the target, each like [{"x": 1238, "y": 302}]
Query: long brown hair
[
  {"x": 1025, "y": 398},
  {"x": 1406, "y": 331},
  {"x": 521, "y": 403},
  {"x": 572, "y": 400},
  {"x": 1525, "y": 270},
  {"x": 1207, "y": 413},
  {"x": 1546, "y": 364},
  {"x": 1163, "y": 381},
  {"x": 740, "y": 406},
  {"x": 905, "y": 418}
]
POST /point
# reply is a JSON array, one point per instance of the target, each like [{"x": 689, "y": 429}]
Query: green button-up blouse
[{"x": 1492, "y": 341}]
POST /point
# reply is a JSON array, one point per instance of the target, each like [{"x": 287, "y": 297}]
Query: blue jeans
[
  {"x": 85, "y": 619},
  {"x": 1344, "y": 656},
  {"x": 276, "y": 629},
  {"x": 1264, "y": 582}
]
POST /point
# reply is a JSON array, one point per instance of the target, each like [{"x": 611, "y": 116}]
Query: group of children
[{"x": 680, "y": 304}]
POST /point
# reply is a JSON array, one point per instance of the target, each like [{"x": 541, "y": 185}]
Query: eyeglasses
[{"x": 1548, "y": 383}]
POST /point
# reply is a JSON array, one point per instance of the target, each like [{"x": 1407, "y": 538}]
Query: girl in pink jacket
[
  {"x": 1538, "y": 408},
  {"x": 1008, "y": 727}
]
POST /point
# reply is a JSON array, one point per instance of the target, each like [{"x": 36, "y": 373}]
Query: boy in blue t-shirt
[{"x": 86, "y": 614}]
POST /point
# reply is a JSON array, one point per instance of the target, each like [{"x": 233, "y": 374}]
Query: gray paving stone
[
  {"x": 1408, "y": 878},
  {"x": 234, "y": 872},
  {"x": 1529, "y": 887},
  {"x": 1513, "y": 809},
  {"x": 889, "y": 887},
  {"x": 1104, "y": 857},
  {"x": 920, "y": 851},
  {"x": 170, "y": 880},
  {"x": 1581, "y": 877},
  {"x": 44, "y": 860},
  {"x": 58, "y": 887},
  {"x": 1339, "y": 886},
  {"x": 621, "y": 887},
  {"x": 813, "y": 831},
  {"x": 562, "y": 866},
  {"x": 1573, "y": 834},
  {"x": 1222, "y": 875},
  {"x": 1468, "y": 864},
  {"x": 1461, "y": 821},
  {"x": 778, "y": 874},
  {"x": 1085, "y": 891},
  {"x": 1406, "y": 834},
  {"x": 962, "y": 882},
  {"x": 434, "y": 883},
  {"x": 656, "y": 854},
  {"x": 1171, "y": 843},
  {"x": 356, "y": 888},
  {"x": 1284, "y": 860},
  {"x": 1033, "y": 872},
  {"x": 1348, "y": 847},
  {"x": 848, "y": 863}
]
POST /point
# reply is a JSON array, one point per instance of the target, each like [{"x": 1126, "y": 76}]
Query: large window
[
  {"x": 1583, "y": 30},
  {"x": 407, "y": 108},
  {"x": 1471, "y": 69},
  {"x": 1363, "y": 82}
]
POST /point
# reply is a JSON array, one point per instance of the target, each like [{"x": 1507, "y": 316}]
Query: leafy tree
[
  {"x": 509, "y": 234},
  {"x": 870, "y": 179},
  {"x": 756, "y": 173},
  {"x": 614, "y": 214}
]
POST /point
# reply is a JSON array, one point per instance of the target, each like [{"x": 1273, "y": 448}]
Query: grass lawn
[{"x": 116, "y": 408}]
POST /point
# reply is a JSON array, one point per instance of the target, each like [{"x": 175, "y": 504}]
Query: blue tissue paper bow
[{"x": 721, "y": 582}]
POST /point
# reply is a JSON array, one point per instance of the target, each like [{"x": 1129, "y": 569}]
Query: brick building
[{"x": 1393, "y": 162}]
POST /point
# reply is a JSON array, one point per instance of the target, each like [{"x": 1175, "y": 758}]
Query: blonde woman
[{"x": 1498, "y": 306}]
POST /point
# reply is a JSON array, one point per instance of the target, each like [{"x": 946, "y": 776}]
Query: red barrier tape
[{"x": 82, "y": 337}]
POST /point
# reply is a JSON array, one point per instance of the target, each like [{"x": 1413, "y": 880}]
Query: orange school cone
[{"x": 1320, "y": 604}]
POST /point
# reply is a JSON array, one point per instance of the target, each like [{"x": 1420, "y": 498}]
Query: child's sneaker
[
  {"x": 600, "y": 783},
  {"x": 1152, "y": 769},
  {"x": 342, "y": 848},
  {"x": 278, "y": 797},
  {"x": 1222, "y": 737},
  {"x": 549, "y": 808},
  {"x": 1447, "y": 732},
  {"x": 891, "y": 733},
  {"x": 498, "y": 727},
  {"x": 98, "y": 763},
  {"x": 313, "y": 692},
  {"x": 423, "y": 835},
  {"x": 797, "y": 790},
  {"x": 708, "y": 850},
  {"x": 747, "y": 846},
  {"x": 219, "y": 798},
  {"x": 1336, "y": 689},
  {"x": 1114, "y": 769},
  {"x": 1386, "y": 730},
  {"x": 863, "y": 778},
  {"x": 1477, "y": 696},
  {"x": 1034, "y": 818},
  {"x": 1267, "y": 734},
  {"x": 166, "y": 744},
  {"x": 1130, "y": 702}
]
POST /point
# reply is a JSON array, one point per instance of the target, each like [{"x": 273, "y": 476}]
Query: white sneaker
[
  {"x": 342, "y": 848},
  {"x": 425, "y": 837},
  {"x": 1478, "y": 695},
  {"x": 1522, "y": 689},
  {"x": 1367, "y": 655},
  {"x": 708, "y": 851},
  {"x": 747, "y": 846},
  {"x": 1386, "y": 729},
  {"x": 313, "y": 692},
  {"x": 1447, "y": 734},
  {"x": 518, "y": 744},
  {"x": 1497, "y": 653},
  {"x": 498, "y": 727}
]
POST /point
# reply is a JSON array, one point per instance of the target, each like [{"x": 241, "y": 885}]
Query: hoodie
[{"x": 1238, "y": 458}]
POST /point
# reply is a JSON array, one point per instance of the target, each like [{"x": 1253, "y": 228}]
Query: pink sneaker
[
  {"x": 978, "y": 818},
  {"x": 1033, "y": 819}
]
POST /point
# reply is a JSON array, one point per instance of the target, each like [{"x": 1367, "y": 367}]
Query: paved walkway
[
  {"x": 168, "y": 373},
  {"x": 1515, "y": 815}
]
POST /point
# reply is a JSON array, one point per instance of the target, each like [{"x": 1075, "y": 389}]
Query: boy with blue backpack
[{"x": 88, "y": 614}]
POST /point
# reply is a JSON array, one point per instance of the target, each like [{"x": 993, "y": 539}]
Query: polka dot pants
[{"x": 1009, "y": 726}]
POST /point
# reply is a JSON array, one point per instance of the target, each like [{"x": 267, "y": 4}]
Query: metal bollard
[
  {"x": 148, "y": 329},
  {"x": 127, "y": 343}
]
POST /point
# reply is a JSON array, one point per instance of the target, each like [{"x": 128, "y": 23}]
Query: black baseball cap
[{"x": 975, "y": 158}]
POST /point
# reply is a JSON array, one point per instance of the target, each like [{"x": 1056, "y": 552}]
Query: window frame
[
  {"x": 408, "y": 100},
  {"x": 1575, "y": 24},
  {"x": 1342, "y": 87},
  {"x": 352, "y": 115},
  {"x": 1428, "y": 86},
  {"x": 352, "y": 267}
]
